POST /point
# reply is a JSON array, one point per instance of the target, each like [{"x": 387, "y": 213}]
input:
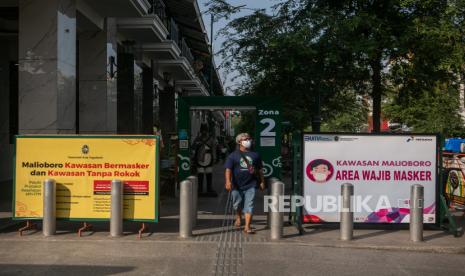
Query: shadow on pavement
[
  {"x": 438, "y": 235},
  {"x": 374, "y": 234},
  {"x": 33, "y": 269}
]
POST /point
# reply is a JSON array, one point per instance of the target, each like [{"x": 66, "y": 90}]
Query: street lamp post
[
  {"x": 211, "y": 53},
  {"x": 212, "y": 17}
]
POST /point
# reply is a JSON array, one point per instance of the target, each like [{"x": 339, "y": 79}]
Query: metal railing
[
  {"x": 186, "y": 51},
  {"x": 173, "y": 31},
  {"x": 203, "y": 80},
  {"x": 159, "y": 9}
]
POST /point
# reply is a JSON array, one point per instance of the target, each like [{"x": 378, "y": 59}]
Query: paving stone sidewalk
[{"x": 210, "y": 218}]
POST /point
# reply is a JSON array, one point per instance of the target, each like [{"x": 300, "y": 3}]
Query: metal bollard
[
  {"x": 49, "y": 215},
  {"x": 185, "y": 209},
  {"x": 276, "y": 219},
  {"x": 195, "y": 195},
  {"x": 270, "y": 182},
  {"x": 347, "y": 213},
  {"x": 116, "y": 217},
  {"x": 416, "y": 212}
]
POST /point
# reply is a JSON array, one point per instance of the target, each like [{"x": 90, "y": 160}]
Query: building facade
[{"x": 98, "y": 67}]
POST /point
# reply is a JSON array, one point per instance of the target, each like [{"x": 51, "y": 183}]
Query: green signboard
[{"x": 267, "y": 128}]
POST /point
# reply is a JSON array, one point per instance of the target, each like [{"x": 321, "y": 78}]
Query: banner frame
[
  {"x": 438, "y": 175},
  {"x": 110, "y": 136}
]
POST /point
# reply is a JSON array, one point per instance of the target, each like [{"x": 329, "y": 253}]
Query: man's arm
[
  {"x": 262, "y": 179},
  {"x": 227, "y": 179},
  {"x": 261, "y": 176}
]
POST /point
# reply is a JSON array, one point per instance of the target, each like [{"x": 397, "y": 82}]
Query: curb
[
  {"x": 343, "y": 245},
  {"x": 411, "y": 248}
]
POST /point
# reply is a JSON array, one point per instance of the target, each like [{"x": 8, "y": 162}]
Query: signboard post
[
  {"x": 382, "y": 168},
  {"x": 83, "y": 168}
]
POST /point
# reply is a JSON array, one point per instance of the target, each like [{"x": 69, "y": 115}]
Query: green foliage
[
  {"x": 352, "y": 115},
  {"x": 432, "y": 111},
  {"x": 407, "y": 54},
  {"x": 246, "y": 123}
]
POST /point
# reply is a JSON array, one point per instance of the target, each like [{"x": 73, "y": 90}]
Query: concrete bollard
[
  {"x": 276, "y": 219},
  {"x": 416, "y": 212},
  {"x": 185, "y": 209},
  {"x": 195, "y": 195},
  {"x": 49, "y": 215},
  {"x": 270, "y": 182},
  {"x": 116, "y": 217},
  {"x": 347, "y": 213}
]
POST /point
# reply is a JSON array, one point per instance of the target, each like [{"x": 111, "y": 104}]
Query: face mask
[
  {"x": 319, "y": 176},
  {"x": 246, "y": 144}
]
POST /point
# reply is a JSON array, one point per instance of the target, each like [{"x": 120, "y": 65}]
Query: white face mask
[
  {"x": 319, "y": 176},
  {"x": 246, "y": 144}
]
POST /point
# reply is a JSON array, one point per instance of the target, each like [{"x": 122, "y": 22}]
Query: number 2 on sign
[{"x": 270, "y": 124}]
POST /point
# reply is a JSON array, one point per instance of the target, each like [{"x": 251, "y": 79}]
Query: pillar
[
  {"x": 97, "y": 79},
  {"x": 147, "y": 100},
  {"x": 125, "y": 87},
  {"x": 167, "y": 111},
  {"x": 47, "y": 66}
]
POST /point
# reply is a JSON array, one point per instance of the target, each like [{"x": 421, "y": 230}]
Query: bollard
[
  {"x": 195, "y": 195},
  {"x": 276, "y": 219},
  {"x": 347, "y": 213},
  {"x": 270, "y": 182},
  {"x": 116, "y": 217},
  {"x": 185, "y": 209},
  {"x": 416, "y": 212},
  {"x": 49, "y": 216}
]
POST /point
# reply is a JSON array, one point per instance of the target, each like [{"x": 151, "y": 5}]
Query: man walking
[{"x": 243, "y": 173}]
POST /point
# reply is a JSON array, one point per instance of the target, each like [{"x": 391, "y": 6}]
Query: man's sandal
[{"x": 249, "y": 231}]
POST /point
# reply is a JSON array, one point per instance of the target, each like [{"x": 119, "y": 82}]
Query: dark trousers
[{"x": 209, "y": 177}]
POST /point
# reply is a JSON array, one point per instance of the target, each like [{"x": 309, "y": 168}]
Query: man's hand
[
  {"x": 262, "y": 186},
  {"x": 227, "y": 179}
]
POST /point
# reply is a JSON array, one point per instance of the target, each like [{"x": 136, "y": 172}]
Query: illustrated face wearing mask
[
  {"x": 246, "y": 142},
  {"x": 320, "y": 173}
]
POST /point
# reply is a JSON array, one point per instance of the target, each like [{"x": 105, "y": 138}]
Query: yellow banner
[{"x": 83, "y": 168}]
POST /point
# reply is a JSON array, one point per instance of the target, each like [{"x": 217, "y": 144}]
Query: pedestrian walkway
[{"x": 212, "y": 228}]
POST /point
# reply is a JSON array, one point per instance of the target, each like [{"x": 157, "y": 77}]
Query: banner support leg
[
  {"x": 29, "y": 226},
  {"x": 85, "y": 227},
  {"x": 141, "y": 230}
]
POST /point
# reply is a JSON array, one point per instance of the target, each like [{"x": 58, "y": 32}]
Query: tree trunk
[{"x": 376, "y": 93}]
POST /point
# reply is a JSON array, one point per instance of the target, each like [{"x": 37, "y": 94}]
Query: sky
[{"x": 218, "y": 25}]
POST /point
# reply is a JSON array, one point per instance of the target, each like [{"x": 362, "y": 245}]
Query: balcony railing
[
  {"x": 203, "y": 80},
  {"x": 186, "y": 52},
  {"x": 159, "y": 8},
  {"x": 173, "y": 31}
]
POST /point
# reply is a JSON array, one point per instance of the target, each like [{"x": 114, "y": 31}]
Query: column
[
  {"x": 97, "y": 79},
  {"x": 167, "y": 112},
  {"x": 8, "y": 114},
  {"x": 47, "y": 66},
  {"x": 147, "y": 100},
  {"x": 125, "y": 87}
]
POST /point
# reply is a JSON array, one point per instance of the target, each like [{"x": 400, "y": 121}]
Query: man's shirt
[{"x": 241, "y": 177}]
